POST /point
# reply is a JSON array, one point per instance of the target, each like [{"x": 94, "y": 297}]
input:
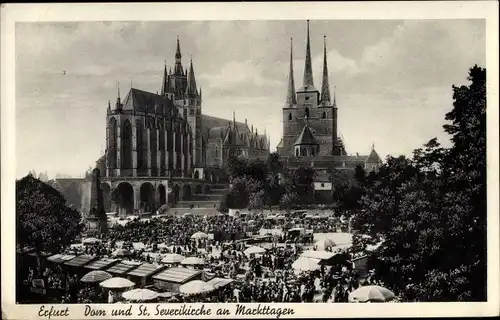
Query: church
[
  {"x": 161, "y": 146},
  {"x": 310, "y": 137}
]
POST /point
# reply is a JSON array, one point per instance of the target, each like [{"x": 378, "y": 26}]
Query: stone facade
[
  {"x": 154, "y": 139},
  {"x": 310, "y": 137}
]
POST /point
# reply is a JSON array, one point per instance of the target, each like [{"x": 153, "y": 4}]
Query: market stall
[{"x": 171, "y": 279}]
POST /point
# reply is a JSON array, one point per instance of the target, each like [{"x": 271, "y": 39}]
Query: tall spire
[
  {"x": 290, "y": 95},
  {"x": 178, "y": 57},
  {"x": 308, "y": 84},
  {"x": 334, "y": 97},
  {"x": 325, "y": 90},
  {"x": 234, "y": 120},
  {"x": 191, "y": 85},
  {"x": 164, "y": 82},
  {"x": 118, "y": 100}
]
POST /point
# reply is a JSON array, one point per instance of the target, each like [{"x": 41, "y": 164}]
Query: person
[
  {"x": 236, "y": 294},
  {"x": 110, "y": 297}
]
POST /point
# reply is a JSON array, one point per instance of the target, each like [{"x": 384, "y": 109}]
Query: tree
[
  {"x": 44, "y": 222},
  {"x": 431, "y": 210},
  {"x": 256, "y": 200},
  {"x": 288, "y": 200}
]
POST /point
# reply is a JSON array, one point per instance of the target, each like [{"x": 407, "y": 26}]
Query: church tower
[
  {"x": 309, "y": 107},
  {"x": 192, "y": 102}
]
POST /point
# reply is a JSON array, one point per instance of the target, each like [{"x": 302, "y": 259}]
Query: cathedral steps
[
  {"x": 207, "y": 197},
  {"x": 197, "y": 204},
  {"x": 209, "y": 200},
  {"x": 195, "y": 211}
]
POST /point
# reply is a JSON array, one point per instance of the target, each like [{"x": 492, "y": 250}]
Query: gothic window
[
  {"x": 304, "y": 152},
  {"x": 198, "y": 112},
  {"x": 112, "y": 143},
  {"x": 307, "y": 98},
  {"x": 139, "y": 145},
  {"x": 289, "y": 116},
  {"x": 126, "y": 140},
  {"x": 307, "y": 112},
  {"x": 312, "y": 151},
  {"x": 324, "y": 115},
  {"x": 297, "y": 153},
  {"x": 191, "y": 111},
  {"x": 216, "y": 151}
]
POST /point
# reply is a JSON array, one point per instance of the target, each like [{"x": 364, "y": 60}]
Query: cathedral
[
  {"x": 161, "y": 148},
  {"x": 310, "y": 135},
  {"x": 165, "y": 134}
]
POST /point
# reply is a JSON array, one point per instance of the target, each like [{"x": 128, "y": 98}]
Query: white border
[{"x": 488, "y": 10}]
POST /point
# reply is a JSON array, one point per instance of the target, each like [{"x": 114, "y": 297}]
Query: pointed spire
[
  {"x": 200, "y": 93},
  {"x": 373, "y": 145},
  {"x": 118, "y": 100},
  {"x": 290, "y": 95},
  {"x": 191, "y": 90},
  {"x": 178, "y": 64},
  {"x": 308, "y": 84},
  {"x": 234, "y": 120},
  {"x": 334, "y": 97},
  {"x": 164, "y": 84},
  {"x": 109, "y": 105},
  {"x": 325, "y": 90},
  {"x": 252, "y": 128}
]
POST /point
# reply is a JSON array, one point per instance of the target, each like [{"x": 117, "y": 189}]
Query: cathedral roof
[
  {"x": 373, "y": 157},
  {"x": 306, "y": 137},
  {"x": 209, "y": 122},
  {"x": 140, "y": 100}
]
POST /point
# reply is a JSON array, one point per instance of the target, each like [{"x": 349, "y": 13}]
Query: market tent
[
  {"x": 80, "y": 261},
  {"x": 219, "y": 282},
  {"x": 254, "y": 250},
  {"x": 196, "y": 287},
  {"x": 122, "y": 267},
  {"x": 193, "y": 261},
  {"x": 172, "y": 258},
  {"x": 60, "y": 258},
  {"x": 145, "y": 270},
  {"x": 321, "y": 255},
  {"x": 171, "y": 279},
  {"x": 101, "y": 264},
  {"x": 306, "y": 264}
]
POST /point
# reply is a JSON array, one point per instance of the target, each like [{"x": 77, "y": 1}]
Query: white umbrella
[
  {"x": 140, "y": 295},
  {"x": 199, "y": 235},
  {"x": 96, "y": 276},
  {"x": 195, "y": 287},
  {"x": 117, "y": 283},
  {"x": 306, "y": 264},
  {"x": 187, "y": 214},
  {"x": 172, "y": 258},
  {"x": 325, "y": 243},
  {"x": 280, "y": 217},
  {"x": 254, "y": 250},
  {"x": 192, "y": 261},
  {"x": 371, "y": 293}
]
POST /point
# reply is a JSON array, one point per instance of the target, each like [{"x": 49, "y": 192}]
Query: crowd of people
[{"x": 264, "y": 277}]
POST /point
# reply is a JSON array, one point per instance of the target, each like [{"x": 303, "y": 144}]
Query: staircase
[{"x": 202, "y": 204}]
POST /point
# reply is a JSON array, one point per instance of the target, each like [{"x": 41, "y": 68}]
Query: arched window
[
  {"x": 307, "y": 112},
  {"x": 216, "y": 151},
  {"x": 297, "y": 153},
  {"x": 289, "y": 117},
  {"x": 126, "y": 141},
  {"x": 324, "y": 115},
  {"x": 304, "y": 152},
  {"x": 112, "y": 143},
  {"x": 312, "y": 152}
]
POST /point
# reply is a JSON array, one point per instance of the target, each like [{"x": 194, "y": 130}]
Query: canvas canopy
[{"x": 177, "y": 275}]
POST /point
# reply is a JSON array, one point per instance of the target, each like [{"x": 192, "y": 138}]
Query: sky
[{"x": 393, "y": 78}]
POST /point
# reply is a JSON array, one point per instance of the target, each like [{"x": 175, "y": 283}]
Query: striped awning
[
  {"x": 101, "y": 264},
  {"x": 79, "y": 261},
  {"x": 121, "y": 268},
  {"x": 177, "y": 275},
  {"x": 145, "y": 270}
]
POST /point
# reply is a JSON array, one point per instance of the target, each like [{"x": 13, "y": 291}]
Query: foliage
[
  {"x": 431, "y": 210},
  {"x": 288, "y": 200},
  {"x": 256, "y": 200},
  {"x": 44, "y": 222}
]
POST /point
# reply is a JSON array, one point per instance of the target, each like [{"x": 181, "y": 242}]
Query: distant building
[{"x": 310, "y": 137}]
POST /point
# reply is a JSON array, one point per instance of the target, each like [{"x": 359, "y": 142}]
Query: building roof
[
  {"x": 177, "y": 275},
  {"x": 121, "y": 268},
  {"x": 373, "y": 157},
  {"x": 79, "y": 261},
  {"x": 306, "y": 137},
  {"x": 59, "y": 258},
  {"x": 101, "y": 264},
  {"x": 145, "y": 270},
  {"x": 141, "y": 100}
]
